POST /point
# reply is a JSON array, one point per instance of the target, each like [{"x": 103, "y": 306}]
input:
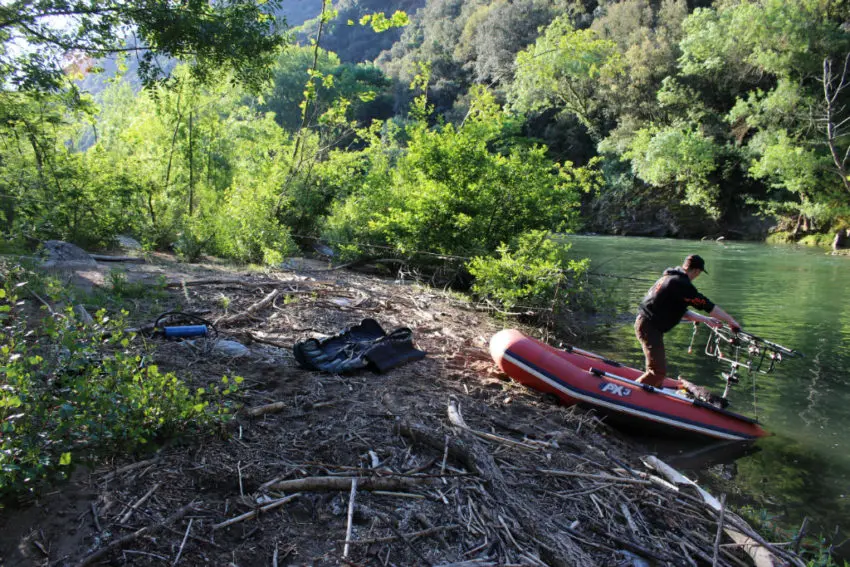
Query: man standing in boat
[{"x": 664, "y": 305}]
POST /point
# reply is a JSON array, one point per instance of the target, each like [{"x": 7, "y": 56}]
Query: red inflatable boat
[{"x": 577, "y": 376}]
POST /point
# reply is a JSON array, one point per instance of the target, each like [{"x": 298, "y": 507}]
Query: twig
[
  {"x": 445, "y": 457},
  {"x": 719, "y": 530},
  {"x": 795, "y": 545},
  {"x": 601, "y": 477},
  {"x": 138, "y": 503},
  {"x": 43, "y": 302},
  {"x": 96, "y": 519},
  {"x": 625, "y": 510},
  {"x": 398, "y": 494},
  {"x": 130, "y": 467},
  {"x": 350, "y": 526},
  {"x": 388, "y": 521},
  {"x": 119, "y": 543},
  {"x": 249, "y": 311},
  {"x": 256, "y": 512},
  {"x": 222, "y": 281},
  {"x": 457, "y": 420},
  {"x": 183, "y": 543}
]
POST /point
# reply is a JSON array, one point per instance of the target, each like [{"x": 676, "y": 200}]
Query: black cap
[{"x": 694, "y": 261}]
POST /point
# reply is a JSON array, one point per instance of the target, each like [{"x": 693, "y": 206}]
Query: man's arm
[
  {"x": 713, "y": 320},
  {"x": 697, "y": 318},
  {"x": 718, "y": 313}
]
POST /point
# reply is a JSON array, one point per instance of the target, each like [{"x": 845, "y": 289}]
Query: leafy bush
[
  {"x": 453, "y": 192},
  {"x": 69, "y": 393},
  {"x": 534, "y": 273}
]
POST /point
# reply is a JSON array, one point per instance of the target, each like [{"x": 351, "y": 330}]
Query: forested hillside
[{"x": 442, "y": 126}]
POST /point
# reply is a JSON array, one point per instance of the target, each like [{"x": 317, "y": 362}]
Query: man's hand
[{"x": 713, "y": 323}]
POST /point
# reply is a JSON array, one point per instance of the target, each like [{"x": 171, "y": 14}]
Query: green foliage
[
  {"x": 239, "y": 35},
  {"x": 363, "y": 87},
  {"x": 536, "y": 272},
  {"x": 565, "y": 69},
  {"x": 381, "y": 23},
  {"x": 779, "y": 37},
  {"x": 450, "y": 192},
  {"x": 123, "y": 288},
  {"x": 681, "y": 156},
  {"x": 71, "y": 393}
]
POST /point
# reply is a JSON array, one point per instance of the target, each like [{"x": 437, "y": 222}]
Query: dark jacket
[{"x": 667, "y": 300}]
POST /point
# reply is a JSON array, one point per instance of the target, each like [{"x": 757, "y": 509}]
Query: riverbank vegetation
[{"x": 479, "y": 122}]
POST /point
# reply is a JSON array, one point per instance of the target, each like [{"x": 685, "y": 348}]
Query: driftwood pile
[{"x": 439, "y": 463}]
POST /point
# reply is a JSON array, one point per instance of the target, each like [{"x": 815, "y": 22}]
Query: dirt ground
[{"x": 519, "y": 481}]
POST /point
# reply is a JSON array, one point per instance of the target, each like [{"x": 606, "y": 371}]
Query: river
[{"x": 791, "y": 295}]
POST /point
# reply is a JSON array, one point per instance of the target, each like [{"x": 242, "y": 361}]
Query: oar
[{"x": 587, "y": 353}]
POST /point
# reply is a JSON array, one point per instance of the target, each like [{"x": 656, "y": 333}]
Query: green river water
[{"x": 794, "y": 296}]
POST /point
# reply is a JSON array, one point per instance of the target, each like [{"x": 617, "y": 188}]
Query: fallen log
[{"x": 107, "y": 258}]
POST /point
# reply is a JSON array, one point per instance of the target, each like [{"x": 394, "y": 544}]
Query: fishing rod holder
[{"x": 744, "y": 350}]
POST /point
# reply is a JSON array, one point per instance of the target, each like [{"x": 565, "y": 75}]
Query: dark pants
[{"x": 652, "y": 343}]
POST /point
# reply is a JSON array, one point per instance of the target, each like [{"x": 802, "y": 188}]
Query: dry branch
[
  {"x": 249, "y": 311},
  {"x": 457, "y": 420},
  {"x": 335, "y": 483},
  {"x": 222, "y": 281},
  {"x": 138, "y": 503},
  {"x": 266, "y": 409},
  {"x": 350, "y": 525},
  {"x": 762, "y": 553},
  {"x": 256, "y": 512},
  {"x": 121, "y": 542}
]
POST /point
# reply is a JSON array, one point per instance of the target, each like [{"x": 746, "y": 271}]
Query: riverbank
[{"x": 455, "y": 464}]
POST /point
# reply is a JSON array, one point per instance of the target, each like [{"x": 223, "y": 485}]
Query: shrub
[
  {"x": 534, "y": 273},
  {"x": 452, "y": 191},
  {"x": 71, "y": 393}
]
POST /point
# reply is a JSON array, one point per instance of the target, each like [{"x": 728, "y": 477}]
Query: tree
[
  {"x": 494, "y": 34},
  {"x": 564, "y": 69},
  {"x": 836, "y": 117},
  {"x": 761, "y": 65},
  {"x": 41, "y": 40},
  {"x": 647, "y": 35},
  {"x": 364, "y": 86},
  {"x": 356, "y": 36},
  {"x": 680, "y": 157}
]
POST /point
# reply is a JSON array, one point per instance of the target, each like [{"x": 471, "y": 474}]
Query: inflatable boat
[{"x": 580, "y": 377}]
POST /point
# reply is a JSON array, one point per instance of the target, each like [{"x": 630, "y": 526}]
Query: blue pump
[{"x": 185, "y": 331}]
